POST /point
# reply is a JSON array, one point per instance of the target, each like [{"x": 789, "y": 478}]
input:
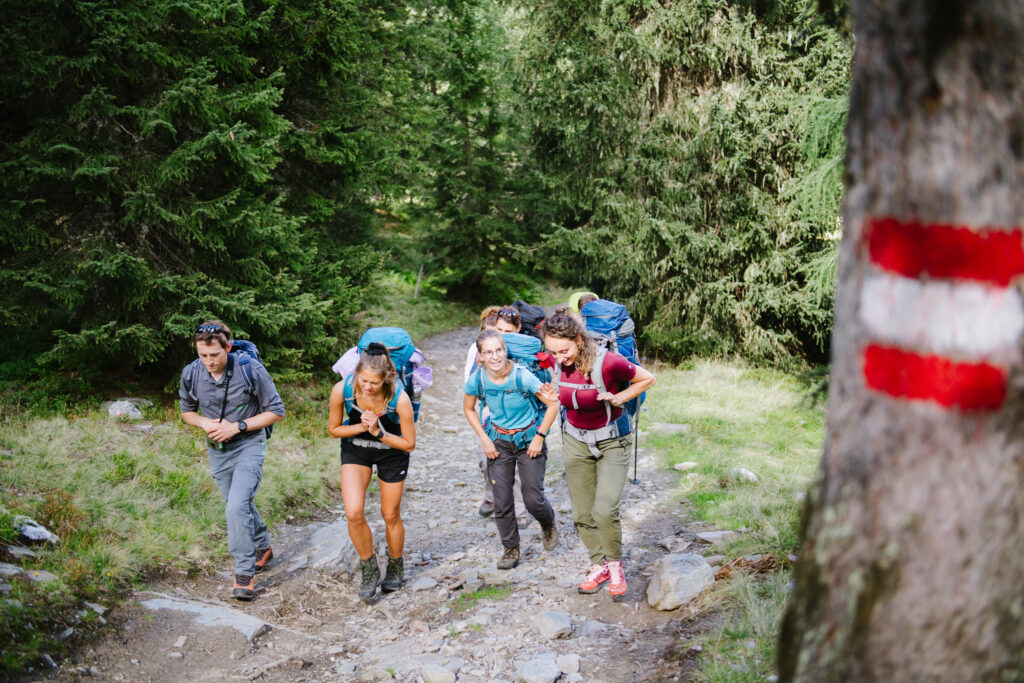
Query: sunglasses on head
[
  {"x": 209, "y": 329},
  {"x": 509, "y": 314}
]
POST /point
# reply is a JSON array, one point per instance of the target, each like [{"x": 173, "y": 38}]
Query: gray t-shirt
[{"x": 207, "y": 395}]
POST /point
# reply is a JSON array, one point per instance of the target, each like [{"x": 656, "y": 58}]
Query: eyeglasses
[
  {"x": 509, "y": 314},
  {"x": 209, "y": 329},
  {"x": 493, "y": 353}
]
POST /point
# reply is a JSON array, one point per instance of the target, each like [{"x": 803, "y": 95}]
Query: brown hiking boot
[
  {"x": 243, "y": 588},
  {"x": 263, "y": 557},
  {"x": 509, "y": 559},
  {"x": 549, "y": 536}
]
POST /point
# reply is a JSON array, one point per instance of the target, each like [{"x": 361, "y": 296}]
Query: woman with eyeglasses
[
  {"x": 376, "y": 428},
  {"x": 490, "y": 320},
  {"x": 512, "y": 438},
  {"x": 596, "y": 440}
]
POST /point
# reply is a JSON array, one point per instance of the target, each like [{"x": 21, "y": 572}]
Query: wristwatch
[{"x": 242, "y": 426}]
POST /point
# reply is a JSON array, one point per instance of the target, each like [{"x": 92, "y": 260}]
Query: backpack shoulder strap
[
  {"x": 480, "y": 394},
  {"x": 520, "y": 382},
  {"x": 190, "y": 379},
  {"x": 348, "y": 394},
  {"x": 597, "y": 379},
  {"x": 245, "y": 363},
  {"x": 597, "y": 372}
]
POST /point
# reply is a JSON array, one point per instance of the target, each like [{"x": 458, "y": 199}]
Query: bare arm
[
  {"x": 469, "y": 410},
  {"x": 537, "y": 442},
  {"x": 407, "y": 441},
  {"x": 336, "y": 416},
  {"x": 224, "y": 430},
  {"x": 641, "y": 382}
]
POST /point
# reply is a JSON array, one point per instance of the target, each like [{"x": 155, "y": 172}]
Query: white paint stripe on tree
[{"x": 944, "y": 317}]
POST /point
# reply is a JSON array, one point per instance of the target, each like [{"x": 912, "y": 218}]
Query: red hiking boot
[
  {"x": 597, "y": 578},
  {"x": 617, "y": 581},
  {"x": 263, "y": 557}
]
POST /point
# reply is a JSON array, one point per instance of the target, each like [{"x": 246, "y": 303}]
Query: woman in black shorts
[{"x": 373, "y": 417}]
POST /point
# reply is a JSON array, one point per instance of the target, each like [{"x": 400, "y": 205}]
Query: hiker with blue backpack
[
  {"x": 512, "y": 437},
  {"x": 228, "y": 394},
  {"x": 374, "y": 416},
  {"x": 503, "y": 319},
  {"x": 594, "y": 385}
]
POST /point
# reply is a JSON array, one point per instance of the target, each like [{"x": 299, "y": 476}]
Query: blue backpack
[
  {"x": 611, "y": 327},
  {"x": 523, "y": 351},
  {"x": 245, "y": 354},
  {"x": 401, "y": 349},
  {"x": 392, "y": 407}
]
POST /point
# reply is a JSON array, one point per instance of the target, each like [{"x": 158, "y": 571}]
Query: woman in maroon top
[{"x": 593, "y": 384}]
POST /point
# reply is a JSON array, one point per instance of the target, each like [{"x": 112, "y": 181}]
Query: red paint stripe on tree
[
  {"x": 913, "y": 249},
  {"x": 906, "y": 375}
]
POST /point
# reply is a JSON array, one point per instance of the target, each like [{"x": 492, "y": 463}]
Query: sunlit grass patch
[
  {"x": 756, "y": 420},
  {"x": 125, "y": 501},
  {"x": 393, "y": 305}
]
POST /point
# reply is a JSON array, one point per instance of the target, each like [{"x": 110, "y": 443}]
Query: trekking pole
[{"x": 636, "y": 447}]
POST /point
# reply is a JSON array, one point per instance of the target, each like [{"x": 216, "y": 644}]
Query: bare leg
[
  {"x": 354, "y": 481},
  {"x": 391, "y": 510}
]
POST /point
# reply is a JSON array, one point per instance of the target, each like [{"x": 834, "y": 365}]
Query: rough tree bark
[{"x": 912, "y": 564}]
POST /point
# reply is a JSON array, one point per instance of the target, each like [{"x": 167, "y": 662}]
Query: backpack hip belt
[
  {"x": 520, "y": 437},
  {"x": 370, "y": 443},
  {"x": 592, "y": 437}
]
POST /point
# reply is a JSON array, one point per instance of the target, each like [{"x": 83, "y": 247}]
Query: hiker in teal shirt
[{"x": 512, "y": 439}]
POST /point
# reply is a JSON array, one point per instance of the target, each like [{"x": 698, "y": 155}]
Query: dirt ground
[{"x": 457, "y": 614}]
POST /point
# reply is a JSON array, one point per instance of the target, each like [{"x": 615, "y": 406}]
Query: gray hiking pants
[
  {"x": 238, "y": 470},
  {"x": 502, "y": 471},
  {"x": 517, "y": 488}
]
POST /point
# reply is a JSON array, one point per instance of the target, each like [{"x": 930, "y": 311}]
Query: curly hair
[
  {"x": 377, "y": 360},
  {"x": 568, "y": 326},
  {"x": 213, "y": 330}
]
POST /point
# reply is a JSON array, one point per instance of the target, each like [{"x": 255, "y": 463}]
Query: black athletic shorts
[{"x": 392, "y": 464}]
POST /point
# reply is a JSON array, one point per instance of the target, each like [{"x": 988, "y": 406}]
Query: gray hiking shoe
[
  {"x": 509, "y": 559},
  {"x": 549, "y": 535},
  {"x": 394, "y": 575},
  {"x": 371, "y": 578}
]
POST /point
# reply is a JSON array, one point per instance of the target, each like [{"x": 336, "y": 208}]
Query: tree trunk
[{"x": 912, "y": 565}]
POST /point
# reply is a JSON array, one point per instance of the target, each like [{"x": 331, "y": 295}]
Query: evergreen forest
[{"x": 267, "y": 161}]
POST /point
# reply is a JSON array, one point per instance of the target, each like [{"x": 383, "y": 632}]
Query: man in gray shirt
[{"x": 232, "y": 399}]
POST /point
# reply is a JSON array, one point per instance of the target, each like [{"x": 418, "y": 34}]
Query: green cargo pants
[{"x": 595, "y": 488}]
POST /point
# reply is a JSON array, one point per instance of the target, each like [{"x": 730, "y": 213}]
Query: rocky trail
[{"x": 458, "y": 618}]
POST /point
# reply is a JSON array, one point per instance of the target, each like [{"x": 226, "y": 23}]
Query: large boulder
[{"x": 678, "y": 579}]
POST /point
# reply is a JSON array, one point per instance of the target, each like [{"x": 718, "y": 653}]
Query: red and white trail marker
[{"x": 939, "y": 308}]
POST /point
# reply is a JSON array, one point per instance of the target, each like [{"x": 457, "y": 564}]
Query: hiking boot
[
  {"x": 243, "y": 588},
  {"x": 263, "y": 557},
  {"x": 509, "y": 559},
  {"x": 394, "y": 575},
  {"x": 486, "y": 508},
  {"x": 596, "y": 578},
  {"x": 549, "y": 535},
  {"x": 617, "y": 581},
  {"x": 370, "y": 578}
]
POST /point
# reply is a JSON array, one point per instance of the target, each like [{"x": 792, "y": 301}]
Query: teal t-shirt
[{"x": 510, "y": 408}]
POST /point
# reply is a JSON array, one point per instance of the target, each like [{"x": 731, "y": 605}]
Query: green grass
[
  {"x": 125, "y": 503},
  {"x": 758, "y": 420},
  {"x": 466, "y": 601},
  {"x": 394, "y": 305}
]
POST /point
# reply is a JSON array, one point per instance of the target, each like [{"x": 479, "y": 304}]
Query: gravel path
[{"x": 458, "y": 617}]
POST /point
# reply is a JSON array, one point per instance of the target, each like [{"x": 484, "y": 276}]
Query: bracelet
[{"x": 541, "y": 434}]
